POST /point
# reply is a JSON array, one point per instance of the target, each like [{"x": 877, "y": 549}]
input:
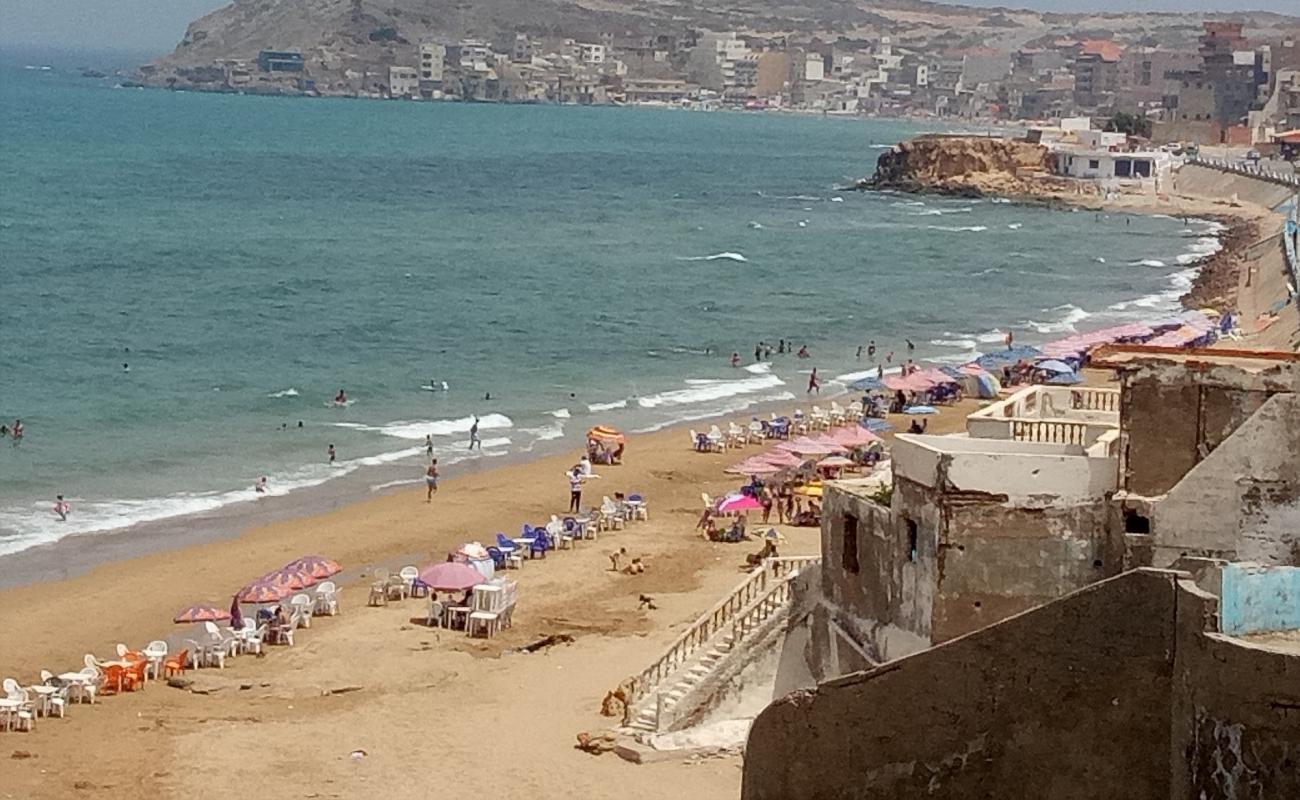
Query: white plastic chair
[
  {"x": 57, "y": 702},
  {"x": 409, "y": 574},
  {"x": 611, "y": 512},
  {"x": 327, "y": 599},
  {"x": 300, "y": 615},
  {"x": 156, "y": 653},
  {"x": 736, "y": 436},
  {"x": 436, "y": 610},
  {"x": 716, "y": 440},
  {"x": 755, "y": 432}
]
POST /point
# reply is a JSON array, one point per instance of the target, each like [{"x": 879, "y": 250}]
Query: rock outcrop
[{"x": 966, "y": 165}]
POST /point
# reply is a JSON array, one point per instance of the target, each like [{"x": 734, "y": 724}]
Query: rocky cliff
[{"x": 965, "y": 165}]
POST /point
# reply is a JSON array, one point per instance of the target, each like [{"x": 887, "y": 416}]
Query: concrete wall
[
  {"x": 1242, "y": 502},
  {"x": 886, "y": 605},
  {"x": 1235, "y": 729},
  {"x": 997, "y": 560},
  {"x": 1256, "y": 599},
  {"x": 1070, "y": 700},
  {"x": 1020, "y": 471}
]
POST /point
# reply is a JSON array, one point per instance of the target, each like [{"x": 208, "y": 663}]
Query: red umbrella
[
  {"x": 201, "y": 612},
  {"x": 263, "y": 593},
  {"x": 319, "y": 567},
  {"x": 451, "y": 576}
]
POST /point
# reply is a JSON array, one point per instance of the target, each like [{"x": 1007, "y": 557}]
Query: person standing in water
[
  {"x": 341, "y": 398},
  {"x": 431, "y": 480},
  {"x": 871, "y": 349},
  {"x": 814, "y": 385},
  {"x": 1009, "y": 339},
  {"x": 735, "y": 360},
  {"x": 428, "y": 444},
  {"x": 61, "y": 508},
  {"x": 473, "y": 436},
  {"x": 333, "y": 454},
  {"x": 17, "y": 431}
]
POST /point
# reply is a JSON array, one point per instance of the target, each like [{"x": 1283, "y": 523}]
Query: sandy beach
[{"x": 483, "y": 718}]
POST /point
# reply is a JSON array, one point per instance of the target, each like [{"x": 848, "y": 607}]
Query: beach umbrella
[
  {"x": 780, "y": 458},
  {"x": 605, "y": 434},
  {"x": 263, "y": 593},
  {"x": 808, "y": 446},
  {"x": 201, "y": 612},
  {"x": 291, "y": 579},
  {"x": 1053, "y": 365},
  {"x": 920, "y": 410},
  {"x": 856, "y": 436},
  {"x": 318, "y": 567},
  {"x": 753, "y": 466},
  {"x": 1064, "y": 379},
  {"x": 451, "y": 576},
  {"x": 836, "y": 462},
  {"x": 738, "y": 502}
]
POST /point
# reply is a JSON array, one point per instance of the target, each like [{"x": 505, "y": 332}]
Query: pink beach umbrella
[
  {"x": 738, "y": 502},
  {"x": 781, "y": 458},
  {"x": 753, "y": 466},
  {"x": 855, "y": 436},
  {"x": 806, "y": 446},
  {"x": 319, "y": 567},
  {"x": 263, "y": 593},
  {"x": 451, "y": 576},
  {"x": 293, "y": 579},
  {"x": 201, "y": 612}
]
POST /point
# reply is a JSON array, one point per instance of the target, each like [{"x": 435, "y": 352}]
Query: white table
[
  {"x": 43, "y": 695},
  {"x": 7, "y": 710},
  {"x": 524, "y": 545}
]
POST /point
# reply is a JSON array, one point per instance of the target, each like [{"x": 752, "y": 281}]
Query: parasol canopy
[
  {"x": 738, "y": 502},
  {"x": 606, "y": 435},
  {"x": 201, "y": 612},
  {"x": 836, "y": 462},
  {"x": 781, "y": 458},
  {"x": 319, "y": 567},
  {"x": 263, "y": 593},
  {"x": 808, "y": 446},
  {"x": 753, "y": 466},
  {"x": 1053, "y": 365},
  {"x": 856, "y": 436},
  {"x": 451, "y": 576},
  {"x": 292, "y": 579}
]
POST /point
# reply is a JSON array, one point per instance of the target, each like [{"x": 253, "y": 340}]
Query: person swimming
[{"x": 341, "y": 398}]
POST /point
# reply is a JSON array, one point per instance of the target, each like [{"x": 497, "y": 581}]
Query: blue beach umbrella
[{"x": 1053, "y": 365}]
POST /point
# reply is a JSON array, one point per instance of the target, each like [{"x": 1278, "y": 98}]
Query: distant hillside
[{"x": 336, "y": 35}]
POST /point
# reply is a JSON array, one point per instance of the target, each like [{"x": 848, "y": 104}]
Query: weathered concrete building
[
  {"x": 1125, "y": 688},
  {"x": 1209, "y": 454}
]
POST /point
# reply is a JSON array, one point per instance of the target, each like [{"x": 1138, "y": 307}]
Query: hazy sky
[{"x": 157, "y": 25}]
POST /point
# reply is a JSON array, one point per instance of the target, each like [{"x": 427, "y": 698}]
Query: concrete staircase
[{"x": 670, "y": 689}]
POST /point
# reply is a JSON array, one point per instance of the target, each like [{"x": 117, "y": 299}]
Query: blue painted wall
[{"x": 1257, "y": 599}]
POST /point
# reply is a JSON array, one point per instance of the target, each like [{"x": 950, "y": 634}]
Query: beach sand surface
[{"x": 436, "y": 713}]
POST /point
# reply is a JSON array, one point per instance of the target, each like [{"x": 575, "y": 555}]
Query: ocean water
[{"x": 247, "y": 257}]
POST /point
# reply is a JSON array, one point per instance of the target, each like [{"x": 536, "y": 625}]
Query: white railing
[
  {"x": 739, "y": 606},
  {"x": 1049, "y": 430},
  {"x": 1248, "y": 170},
  {"x": 1094, "y": 399}
]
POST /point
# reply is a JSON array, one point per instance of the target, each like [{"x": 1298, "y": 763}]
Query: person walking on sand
[
  {"x": 576, "y": 479},
  {"x": 431, "y": 480},
  {"x": 473, "y": 436},
  {"x": 61, "y": 508},
  {"x": 333, "y": 454},
  {"x": 814, "y": 385}
]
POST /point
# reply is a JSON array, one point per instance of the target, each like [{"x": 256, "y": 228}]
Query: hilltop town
[{"x": 1173, "y": 76}]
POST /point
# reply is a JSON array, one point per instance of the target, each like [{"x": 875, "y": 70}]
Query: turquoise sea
[{"x": 247, "y": 257}]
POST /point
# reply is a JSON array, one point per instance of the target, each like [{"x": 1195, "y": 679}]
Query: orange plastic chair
[
  {"x": 175, "y": 665},
  {"x": 133, "y": 676},
  {"x": 113, "y": 680}
]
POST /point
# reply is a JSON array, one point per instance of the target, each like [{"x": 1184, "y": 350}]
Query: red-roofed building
[{"x": 1096, "y": 73}]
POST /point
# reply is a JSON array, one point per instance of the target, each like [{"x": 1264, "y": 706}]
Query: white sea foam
[
  {"x": 988, "y": 271},
  {"x": 760, "y": 368},
  {"x": 964, "y": 344},
  {"x": 731, "y": 406},
  {"x": 598, "y": 407},
  {"x": 418, "y": 429},
  {"x": 988, "y": 337},
  {"x": 1015, "y": 226},
  {"x": 1100, "y": 260},
  {"x": 707, "y": 390},
  {"x": 939, "y": 212},
  {"x": 1071, "y": 315},
  {"x": 725, "y": 256},
  {"x": 958, "y": 228},
  {"x": 290, "y": 392},
  {"x": 758, "y": 226},
  {"x": 560, "y": 413},
  {"x": 837, "y": 199},
  {"x": 1148, "y": 262},
  {"x": 906, "y": 203}
]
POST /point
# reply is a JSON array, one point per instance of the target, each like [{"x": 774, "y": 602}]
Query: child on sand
[{"x": 431, "y": 480}]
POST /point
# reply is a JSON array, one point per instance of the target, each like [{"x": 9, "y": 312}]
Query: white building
[
  {"x": 1145, "y": 166},
  {"x": 432, "y": 56},
  {"x": 403, "y": 82},
  {"x": 814, "y": 68},
  {"x": 591, "y": 53}
]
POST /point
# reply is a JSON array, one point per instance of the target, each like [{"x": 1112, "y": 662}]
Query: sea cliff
[{"x": 967, "y": 165}]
